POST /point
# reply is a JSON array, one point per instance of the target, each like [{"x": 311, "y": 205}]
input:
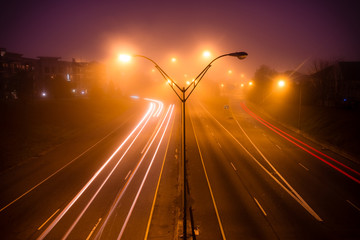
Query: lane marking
[
  {"x": 219, "y": 144},
  {"x": 288, "y": 188},
  {"x": 278, "y": 146},
  {"x": 92, "y": 231},
  {"x": 128, "y": 175},
  {"x": 53, "y": 174},
  {"x": 165, "y": 125},
  {"x": 148, "y": 142},
  {"x": 48, "y": 219},
  {"x": 356, "y": 207},
  {"x": 233, "y": 166},
  {"x": 261, "y": 208},
  {"x": 208, "y": 183},
  {"x": 282, "y": 133},
  {"x": 143, "y": 122},
  {"x": 304, "y": 167},
  {"x": 103, "y": 183},
  {"x": 158, "y": 184}
]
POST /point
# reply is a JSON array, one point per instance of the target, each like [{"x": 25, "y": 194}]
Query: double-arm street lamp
[{"x": 181, "y": 94}]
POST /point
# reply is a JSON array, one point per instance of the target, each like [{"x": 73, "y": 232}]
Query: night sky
[{"x": 280, "y": 34}]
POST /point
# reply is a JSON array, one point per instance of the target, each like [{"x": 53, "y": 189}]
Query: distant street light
[
  {"x": 181, "y": 94},
  {"x": 281, "y": 83},
  {"x": 206, "y": 54}
]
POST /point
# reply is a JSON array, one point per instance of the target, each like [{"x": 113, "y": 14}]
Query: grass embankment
[
  {"x": 334, "y": 127},
  {"x": 28, "y": 130}
]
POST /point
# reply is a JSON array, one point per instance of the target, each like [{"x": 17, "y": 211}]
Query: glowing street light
[
  {"x": 206, "y": 54},
  {"x": 181, "y": 94},
  {"x": 281, "y": 83},
  {"x": 251, "y": 83},
  {"x": 124, "y": 58},
  {"x": 173, "y": 59}
]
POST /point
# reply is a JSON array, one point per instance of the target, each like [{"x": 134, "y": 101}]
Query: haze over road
[
  {"x": 254, "y": 180},
  {"x": 101, "y": 188},
  {"x": 249, "y": 178}
]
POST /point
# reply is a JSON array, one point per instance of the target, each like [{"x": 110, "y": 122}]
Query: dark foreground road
[
  {"x": 249, "y": 179},
  {"x": 99, "y": 186}
]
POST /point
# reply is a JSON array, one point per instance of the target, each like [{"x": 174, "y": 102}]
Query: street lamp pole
[{"x": 183, "y": 97}]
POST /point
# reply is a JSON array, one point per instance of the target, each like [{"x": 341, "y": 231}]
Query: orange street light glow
[
  {"x": 124, "y": 58},
  {"x": 250, "y": 83},
  {"x": 281, "y": 83},
  {"x": 206, "y": 54},
  {"x": 173, "y": 59}
]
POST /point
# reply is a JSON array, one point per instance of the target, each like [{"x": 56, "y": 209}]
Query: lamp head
[{"x": 239, "y": 55}]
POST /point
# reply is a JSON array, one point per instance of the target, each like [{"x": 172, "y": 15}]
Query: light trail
[
  {"x": 160, "y": 108},
  {"x": 288, "y": 188},
  {"x": 171, "y": 108},
  {"x": 158, "y": 185},
  {"x": 143, "y": 122},
  {"x": 282, "y": 134},
  {"x": 103, "y": 183},
  {"x": 121, "y": 193},
  {"x": 60, "y": 169}
]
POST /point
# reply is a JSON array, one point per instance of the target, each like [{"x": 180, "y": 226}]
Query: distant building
[
  {"x": 16, "y": 72},
  {"x": 339, "y": 84},
  {"x": 45, "y": 76}
]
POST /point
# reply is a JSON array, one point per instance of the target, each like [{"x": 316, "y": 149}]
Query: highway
[
  {"x": 253, "y": 179},
  {"x": 249, "y": 178},
  {"x": 99, "y": 186}
]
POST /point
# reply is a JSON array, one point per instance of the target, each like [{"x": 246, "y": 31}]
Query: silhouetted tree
[
  {"x": 263, "y": 79},
  {"x": 325, "y": 79}
]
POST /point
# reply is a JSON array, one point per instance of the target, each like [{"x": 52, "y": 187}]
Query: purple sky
[{"x": 280, "y": 34}]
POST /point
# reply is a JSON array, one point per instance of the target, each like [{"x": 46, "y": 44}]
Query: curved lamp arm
[{"x": 239, "y": 55}]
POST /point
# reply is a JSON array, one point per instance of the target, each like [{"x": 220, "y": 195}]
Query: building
[
  {"x": 339, "y": 84},
  {"x": 17, "y": 75},
  {"x": 23, "y": 78}
]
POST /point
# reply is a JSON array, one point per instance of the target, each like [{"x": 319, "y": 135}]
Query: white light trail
[
  {"x": 102, "y": 185},
  {"x": 171, "y": 108},
  {"x": 71, "y": 203},
  {"x": 161, "y": 106},
  {"x": 119, "y": 197}
]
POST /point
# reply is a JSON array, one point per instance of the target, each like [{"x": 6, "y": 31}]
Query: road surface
[
  {"x": 252, "y": 179},
  {"x": 100, "y": 186},
  {"x": 249, "y": 178}
]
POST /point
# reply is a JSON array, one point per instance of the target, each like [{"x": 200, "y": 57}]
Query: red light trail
[{"x": 282, "y": 134}]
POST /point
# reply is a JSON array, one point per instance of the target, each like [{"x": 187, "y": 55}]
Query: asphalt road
[
  {"x": 252, "y": 179},
  {"x": 99, "y": 186},
  {"x": 249, "y": 178}
]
